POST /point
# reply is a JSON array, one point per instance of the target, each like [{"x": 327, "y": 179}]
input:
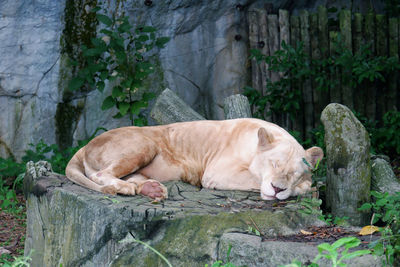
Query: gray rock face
[
  {"x": 73, "y": 226},
  {"x": 250, "y": 250},
  {"x": 29, "y": 65},
  {"x": 348, "y": 163},
  {"x": 383, "y": 177}
]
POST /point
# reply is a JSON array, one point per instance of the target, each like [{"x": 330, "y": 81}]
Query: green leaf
[
  {"x": 108, "y": 103},
  {"x": 123, "y": 107},
  {"x": 100, "y": 86},
  {"x": 365, "y": 206},
  {"x": 117, "y": 92},
  {"x": 146, "y": 96},
  {"x": 75, "y": 83},
  {"x": 324, "y": 246},
  {"x": 146, "y": 29},
  {"x": 95, "y": 9},
  {"x": 118, "y": 116},
  {"x": 137, "y": 106},
  {"x": 104, "y": 19},
  {"x": 160, "y": 42},
  {"x": 349, "y": 242},
  {"x": 91, "y": 52},
  {"x": 143, "y": 38},
  {"x": 354, "y": 254}
]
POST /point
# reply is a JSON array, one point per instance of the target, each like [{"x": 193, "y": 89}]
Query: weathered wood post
[
  {"x": 236, "y": 106},
  {"x": 348, "y": 180},
  {"x": 169, "y": 108}
]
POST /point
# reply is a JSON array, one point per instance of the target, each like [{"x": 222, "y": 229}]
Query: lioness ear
[
  {"x": 314, "y": 155},
  {"x": 264, "y": 139}
]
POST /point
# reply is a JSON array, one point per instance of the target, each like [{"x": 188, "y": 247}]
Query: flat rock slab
[{"x": 70, "y": 225}]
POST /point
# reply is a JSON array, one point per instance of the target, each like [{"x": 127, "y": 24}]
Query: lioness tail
[{"x": 75, "y": 171}]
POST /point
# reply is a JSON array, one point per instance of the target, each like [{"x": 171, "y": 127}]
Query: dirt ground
[{"x": 12, "y": 232}]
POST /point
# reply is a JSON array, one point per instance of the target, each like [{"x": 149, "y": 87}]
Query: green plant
[
  {"x": 120, "y": 57},
  {"x": 8, "y": 199},
  {"x": 295, "y": 67},
  {"x": 336, "y": 253},
  {"x": 386, "y": 208},
  {"x": 283, "y": 95},
  {"x": 52, "y": 153},
  {"x": 220, "y": 263},
  {"x": 21, "y": 261}
]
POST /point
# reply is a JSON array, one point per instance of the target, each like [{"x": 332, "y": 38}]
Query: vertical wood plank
[
  {"x": 370, "y": 89},
  {"x": 273, "y": 42},
  {"x": 345, "y": 34},
  {"x": 393, "y": 52},
  {"x": 253, "y": 40},
  {"x": 316, "y": 56},
  {"x": 284, "y": 26},
  {"x": 335, "y": 92},
  {"x": 360, "y": 99},
  {"x": 294, "y": 39},
  {"x": 307, "y": 88},
  {"x": 265, "y": 49},
  {"x": 323, "y": 39},
  {"x": 263, "y": 46},
  {"x": 284, "y": 36},
  {"x": 294, "y": 30},
  {"x": 381, "y": 50}
]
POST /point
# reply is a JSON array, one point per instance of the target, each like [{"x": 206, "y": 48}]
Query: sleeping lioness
[{"x": 240, "y": 154}]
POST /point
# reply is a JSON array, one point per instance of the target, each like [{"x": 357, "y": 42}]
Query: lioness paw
[
  {"x": 109, "y": 189},
  {"x": 154, "y": 190}
]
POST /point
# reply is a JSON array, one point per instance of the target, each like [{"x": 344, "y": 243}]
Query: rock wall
[{"x": 205, "y": 61}]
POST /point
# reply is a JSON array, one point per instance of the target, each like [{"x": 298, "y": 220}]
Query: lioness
[{"x": 240, "y": 154}]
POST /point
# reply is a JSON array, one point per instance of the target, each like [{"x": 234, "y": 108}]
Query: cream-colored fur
[{"x": 240, "y": 154}]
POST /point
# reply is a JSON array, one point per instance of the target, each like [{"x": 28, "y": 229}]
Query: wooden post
[
  {"x": 323, "y": 40},
  {"x": 253, "y": 39},
  {"x": 307, "y": 88},
  {"x": 284, "y": 35},
  {"x": 294, "y": 39},
  {"x": 393, "y": 52},
  {"x": 369, "y": 36},
  {"x": 264, "y": 47},
  {"x": 345, "y": 34},
  {"x": 335, "y": 92},
  {"x": 381, "y": 50},
  {"x": 236, "y": 106},
  {"x": 360, "y": 100},
  {"x": 169, "y": 108},
  {"x": 315, "y": 55},
  {"x": 273, "y": 43}
]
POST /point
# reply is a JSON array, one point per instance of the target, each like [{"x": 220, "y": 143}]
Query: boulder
[
  {"x": 383, "y": 177},
  {"x": 250, "y": 250},
  {"x": 73, "y": 226},
  {"x": 348, "y": 179}
]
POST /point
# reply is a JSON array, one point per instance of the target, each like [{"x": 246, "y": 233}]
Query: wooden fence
[{"x": 318, "y": 34}]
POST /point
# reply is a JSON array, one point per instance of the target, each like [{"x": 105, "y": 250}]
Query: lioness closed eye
[{"x": 240, "y": 154}]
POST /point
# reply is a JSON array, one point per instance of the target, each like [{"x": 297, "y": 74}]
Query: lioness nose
[{"x": 277, "y": 189}]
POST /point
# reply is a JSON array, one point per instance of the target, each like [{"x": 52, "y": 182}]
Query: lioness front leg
[{"x": 148, "y": 187}]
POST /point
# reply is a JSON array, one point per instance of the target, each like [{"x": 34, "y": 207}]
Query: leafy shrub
[
  {"x": 386, "y": 208},
  {"x": 336, "y": 253},
  {"x": 120, "y": 56}
]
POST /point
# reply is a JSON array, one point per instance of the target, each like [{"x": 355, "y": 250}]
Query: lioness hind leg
[
  {"x": 112, "y": 185},
  {"x": 148, "y": 187}
]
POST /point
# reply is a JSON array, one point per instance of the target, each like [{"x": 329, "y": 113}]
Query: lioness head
[{"x": 283, "y": 165}]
